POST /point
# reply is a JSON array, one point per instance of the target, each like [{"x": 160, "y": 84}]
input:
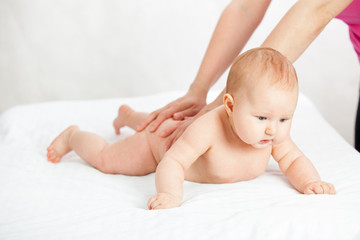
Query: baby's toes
[
  {"x": 117, "y": 126},
  {"x": 329, "y": 189},
  {"x": 52, "y": 156},
  {"x": 332, "y": 189}
]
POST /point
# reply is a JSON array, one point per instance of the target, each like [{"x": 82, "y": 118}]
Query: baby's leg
[
  {"x": 130, "y": 156},
  {"x": 128, "y": 117}
]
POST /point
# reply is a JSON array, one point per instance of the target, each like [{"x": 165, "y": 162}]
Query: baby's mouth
[{"x": 265, "y": 141}]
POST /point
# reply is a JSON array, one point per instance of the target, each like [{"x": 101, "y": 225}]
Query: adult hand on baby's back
[
  {"x": 186, "y": 106},
  {"x": 319, "y": 187},
  {"x": 163, "y": 201},
  {"x": 176, "y": 132}
]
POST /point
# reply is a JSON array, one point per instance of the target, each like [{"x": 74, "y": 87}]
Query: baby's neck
[{"x": 228, "y": 125}]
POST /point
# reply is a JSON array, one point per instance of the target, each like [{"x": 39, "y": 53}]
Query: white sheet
[{"x": 71, "y": 200}]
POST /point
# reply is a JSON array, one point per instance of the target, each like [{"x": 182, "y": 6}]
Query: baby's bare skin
[
  {"x": 228, "y": 159},
  {"x": 129, "y": 156},
  {"x": 60, "y": 145},
  {"x": 236, "y": 162},
  {"x": 230, "y": 143},
  {"x": 233, "y": 143}
]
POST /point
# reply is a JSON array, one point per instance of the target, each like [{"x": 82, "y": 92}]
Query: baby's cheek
[
  {"x": 281, "y": 137},
  {"x": 252, "y": 137},
  {"x": 249, "y": 133}
]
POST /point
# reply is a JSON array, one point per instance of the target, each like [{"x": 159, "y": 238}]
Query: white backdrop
[{"x": 89, "y": 49}]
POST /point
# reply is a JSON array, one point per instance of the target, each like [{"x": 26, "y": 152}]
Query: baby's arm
[
  {"x": 300, "y": 171},
  {"x": 170, "y": 172}
]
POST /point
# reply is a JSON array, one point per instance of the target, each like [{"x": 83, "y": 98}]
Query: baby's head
[{"x": 261, "y": 97}]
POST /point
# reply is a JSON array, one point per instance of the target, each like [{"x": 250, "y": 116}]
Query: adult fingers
[
  {"x": 190, "y": 112},
  {"x": 182, "y": 126},
  {"x": 147, "y": 121},
  {"x": 153, "y": 116},
  {"x": 177, "y": 133},
  {"x": 161, "y": 117},
  {"x": 170, "y": 129}
]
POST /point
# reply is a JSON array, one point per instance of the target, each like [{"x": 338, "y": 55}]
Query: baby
[{"x": 231, "y": 143}]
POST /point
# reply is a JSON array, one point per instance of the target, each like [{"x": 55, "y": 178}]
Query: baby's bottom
[{"x": 130, "y": 156}]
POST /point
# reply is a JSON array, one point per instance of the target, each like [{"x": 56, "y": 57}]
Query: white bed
[{"x": 72, "y": 200}]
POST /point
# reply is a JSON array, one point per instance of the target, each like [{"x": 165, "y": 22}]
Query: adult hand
[
  {"x": 186, "y": 106},
  {"x": 176, "y": 132},
  {"x": 177, "y": 129}
]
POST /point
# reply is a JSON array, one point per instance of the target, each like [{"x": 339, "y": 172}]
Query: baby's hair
[{"x": 250, "y": 67}]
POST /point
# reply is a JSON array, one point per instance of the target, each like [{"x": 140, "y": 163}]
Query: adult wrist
[{"x": 198, "y": 90}]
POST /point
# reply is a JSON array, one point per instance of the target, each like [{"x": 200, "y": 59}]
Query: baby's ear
[{"x": 228, "y": 103}]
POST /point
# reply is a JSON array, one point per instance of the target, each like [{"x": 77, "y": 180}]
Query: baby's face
[{"x": 263, "y": 116}]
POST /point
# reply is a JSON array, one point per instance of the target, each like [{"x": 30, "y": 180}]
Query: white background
[{"x": 77, "y": 49}]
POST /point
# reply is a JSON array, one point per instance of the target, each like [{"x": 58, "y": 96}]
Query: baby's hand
[
  {"x": 319, "y": 187},
  {"x": 163, "y": 201}
]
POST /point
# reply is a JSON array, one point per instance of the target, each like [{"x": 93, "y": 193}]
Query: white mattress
[{"x": 71, "y": 200}]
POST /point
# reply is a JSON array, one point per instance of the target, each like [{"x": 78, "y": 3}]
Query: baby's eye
[
  {"x": 283, "y": 120},
  {"x": 261, "y": 118}
]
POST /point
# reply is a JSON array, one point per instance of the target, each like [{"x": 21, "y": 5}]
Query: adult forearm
[
  {"x": 217, "y": 102},
  {"x": 235, "y": 26},
  {"x": 302, "y": 24}
]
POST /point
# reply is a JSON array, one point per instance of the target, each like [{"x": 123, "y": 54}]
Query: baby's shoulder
[
  {"x": 204, "y": 130},
  {"x": 213, "y": 117},
  {"x": 209, "y": 122}
]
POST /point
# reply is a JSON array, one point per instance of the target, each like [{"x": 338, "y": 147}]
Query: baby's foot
[
  {"x": 121, "y": 120},
  {"x": 60, "y": 145}
]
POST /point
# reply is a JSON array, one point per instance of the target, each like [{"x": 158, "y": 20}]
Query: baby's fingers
[
  {"x": 314, "y": 188},
  {"x": 151, "y": 201},
  {"x": 155, "y": 203},
  {"x": 163, "y": 201},
  {"x": 325, "y": 188},
  {"x": 320, "y": 188}
]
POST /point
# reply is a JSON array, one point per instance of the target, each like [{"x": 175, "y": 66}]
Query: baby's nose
[{"x": 270, "y": 131}]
